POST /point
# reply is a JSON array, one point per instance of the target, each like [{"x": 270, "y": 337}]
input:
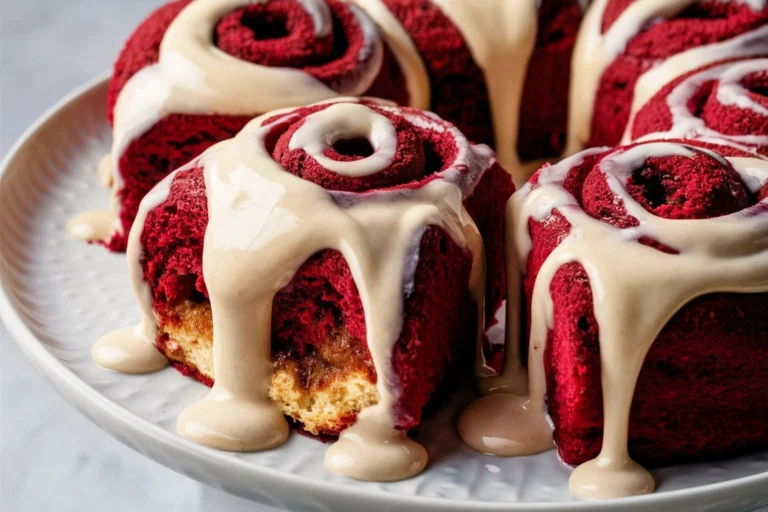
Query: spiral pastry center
[
  {"x": 347, "y": 121},
  {"x": 684, "y": 183}
]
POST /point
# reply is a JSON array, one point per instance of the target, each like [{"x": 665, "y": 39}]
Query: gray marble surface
[{"x": 51, "y": 458}]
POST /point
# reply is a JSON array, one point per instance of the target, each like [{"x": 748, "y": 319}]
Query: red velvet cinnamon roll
[
  {"x": 722, "y": 103},
  {"x": 646, "y": 278},
  {"x": 628, "y": 50},
  {"x": 327, "y": 263},
  {"x": 701, "y": 391},
  {"x": 193, "y": 73}
]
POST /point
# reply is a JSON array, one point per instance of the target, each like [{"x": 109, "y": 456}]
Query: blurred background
[{"x": 51, "y": 457}]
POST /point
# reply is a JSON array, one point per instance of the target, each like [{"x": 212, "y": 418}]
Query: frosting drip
[
  {"x": 501, "y": 36},
  {"x": 92, "y": 225},
  {"x": 97, "y": 225},
  {"x": 127, "y": 351},
  {"x": 264, "y": 223},
  {"x": 104, "y": 171},
  {"x": 132, "y": 350},
  {"x": 753, "y": 43},
  {"x": 722, "y": 254}
]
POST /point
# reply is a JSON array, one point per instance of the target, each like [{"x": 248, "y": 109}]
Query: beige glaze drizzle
[
  {"x": 685, "y": 125},
  {"x": 263, "y": 224},
  {"x": 724, "y": 254},
  {"x": 594, "y": 52},
  {"x": 510, "y": 420},
  {"x": 501, "y": 36},
  {"x": 752, "y": 43},
  {"x": 193, "y": 76},
  {"x": 97, "y": 225},
  {"x": 127, "y": 351},
  {"x": 132, "y": 350},
  {"x": 104, "y": 171},
  {"x": 731, "y": 90}
]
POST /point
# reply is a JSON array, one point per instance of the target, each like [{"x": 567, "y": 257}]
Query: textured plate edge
[{"x": 111, "y": 417}]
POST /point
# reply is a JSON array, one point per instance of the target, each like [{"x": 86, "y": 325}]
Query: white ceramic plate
[{"x": 58, "y": 296}]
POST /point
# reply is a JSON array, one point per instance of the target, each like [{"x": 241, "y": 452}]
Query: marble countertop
[{"x": 51, "y": 457}]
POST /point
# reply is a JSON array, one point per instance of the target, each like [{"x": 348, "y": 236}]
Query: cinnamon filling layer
[{"x": 323, "y": 389}]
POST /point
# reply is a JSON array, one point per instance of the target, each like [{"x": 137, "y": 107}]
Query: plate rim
[{"x": 92, "y": 404}]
